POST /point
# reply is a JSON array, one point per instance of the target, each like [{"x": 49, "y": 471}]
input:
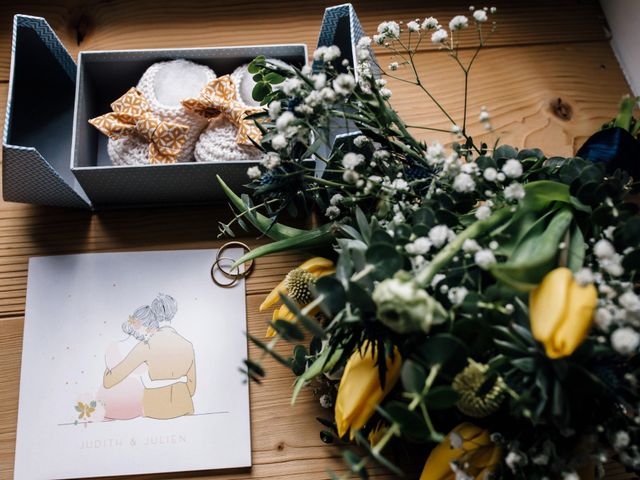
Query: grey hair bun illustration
[
  {"x": 141, "y": 323},
  {"x": 164, "y": 307}
]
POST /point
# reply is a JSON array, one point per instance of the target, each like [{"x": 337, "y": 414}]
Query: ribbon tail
[{"x": 111, "y": 125}]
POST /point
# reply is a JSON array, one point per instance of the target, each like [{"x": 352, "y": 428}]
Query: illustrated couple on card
[{"x": 151, "y": 373}]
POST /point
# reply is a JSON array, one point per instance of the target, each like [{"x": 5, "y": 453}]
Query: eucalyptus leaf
[
  {"x": 505, "y": 152},
  {"x": 360, "y": 298},
  {"x": 445, "y": 350},
  {"x": 441, "y": 397},
  {"x": 325, "y": 362},
  {"x": 413, "y": 376},
  {"x": 333, "y": 292},
  {"x": 385, "y": 260},
  {"x": 363, "y": 225},
  {"x": 380, "y": 236}
]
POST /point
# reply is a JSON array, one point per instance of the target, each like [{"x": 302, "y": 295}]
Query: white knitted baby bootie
[
  {"x": 163, "y": 85},
  {"x": 218, "y": 142}
]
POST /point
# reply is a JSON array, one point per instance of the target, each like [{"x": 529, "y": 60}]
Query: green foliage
[{"x": 452, "y": 231}]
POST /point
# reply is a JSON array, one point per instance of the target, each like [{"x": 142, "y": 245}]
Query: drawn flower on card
[
  {"x": 85, "y": 409},
  {"x": 89, "y": 410}
]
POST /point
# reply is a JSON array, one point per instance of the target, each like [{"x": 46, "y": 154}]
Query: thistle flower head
[
  {"x": 468, "y": 383},
  {"x": 298, "y": 284}
]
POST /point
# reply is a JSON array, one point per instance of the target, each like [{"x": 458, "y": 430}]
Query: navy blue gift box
[{"x": 52, "y": 156}]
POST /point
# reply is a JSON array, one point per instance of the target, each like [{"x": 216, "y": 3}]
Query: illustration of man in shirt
[{"x": 168, "y": 355}]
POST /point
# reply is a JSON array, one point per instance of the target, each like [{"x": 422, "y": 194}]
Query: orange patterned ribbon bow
[
  {"x": 219, "y": 97},
  {"x": 132, "y": 114}
]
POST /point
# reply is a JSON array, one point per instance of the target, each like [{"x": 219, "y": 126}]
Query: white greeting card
[{"x": 130, "y": 365}]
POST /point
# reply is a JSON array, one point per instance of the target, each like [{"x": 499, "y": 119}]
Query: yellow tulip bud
[
  {"x": 561, "y": 312},
  {"x": 360, "y": 392},
  {"x": 470, "y": 446}
]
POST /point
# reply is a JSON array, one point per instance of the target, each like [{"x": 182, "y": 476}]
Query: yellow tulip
[
  {"x": 561, "y": 312},
  {"x": 360, "y": 392},
  {"x": 317, "y": 267},
  {"x": 477, "y": 453}
]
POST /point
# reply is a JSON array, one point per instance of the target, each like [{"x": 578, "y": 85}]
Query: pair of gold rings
[{"x": 223, "y": 265}]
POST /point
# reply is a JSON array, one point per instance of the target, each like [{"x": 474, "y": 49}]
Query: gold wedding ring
[{"x": 234, "y": 274}]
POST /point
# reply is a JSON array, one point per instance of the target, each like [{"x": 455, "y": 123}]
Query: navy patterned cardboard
[
  {"x": 340, "y": 27},
  {"x": 37, "y": 130}
]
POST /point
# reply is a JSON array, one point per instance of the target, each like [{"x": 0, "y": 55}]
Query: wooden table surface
[{"x": 549, "y": 79}]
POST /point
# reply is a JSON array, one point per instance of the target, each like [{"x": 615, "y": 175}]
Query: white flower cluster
[
  {"x": 333, "y": 211},
  {"x": 608, "y": 259},
  {"x": 254, "y": 172},
  {"x": 458, "y": 22},
  {"x": 440, "y": 235},
  {"x": 272, "y": 160},
  {"x": 414, "y": 26},
  {"x": 457, "y": 295},
  {"x": 618, "y": 311},
  {"x": 439, "y": 36},
  {"x": 465, "y": 174},
  {"x": 420, "y": 246},
  {"x": 389, "y": 29},
  {"x": 327, "y": 54},
  {"x": 484, "y": 258},
  {"x": 430, "y": 23},
  {"x": 351, "y": 160},
  {"x": 344, "y": 84}
]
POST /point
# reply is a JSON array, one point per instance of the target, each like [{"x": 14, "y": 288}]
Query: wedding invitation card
[{"x": 130, "y": 365}]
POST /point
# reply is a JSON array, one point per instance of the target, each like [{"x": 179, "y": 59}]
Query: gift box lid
[
  {"x": 341, "y": 27},
  {"x": 37, "y": 137}
]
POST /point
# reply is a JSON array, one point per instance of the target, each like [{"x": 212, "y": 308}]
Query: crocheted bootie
[
  {"x": 164, "y": 84},
  {"x": 217, "y": 143}
]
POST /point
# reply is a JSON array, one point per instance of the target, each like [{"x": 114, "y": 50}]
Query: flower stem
[
  {"x": 327, "y": 183},
  {"x": 426, "y": 274},
  {"x": 362, "y": 273}
]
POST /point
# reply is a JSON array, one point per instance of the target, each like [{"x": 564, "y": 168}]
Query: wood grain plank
[
  {"x": 122, "y": 24},
  {"x": 519, "y": 87},
  {"x": 541, "y": 52}
]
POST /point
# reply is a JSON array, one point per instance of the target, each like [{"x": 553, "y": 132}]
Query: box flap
[
  {"x": 341, "y": 27},
  {"x": 28, "y": 178},
  {"x": 39, "y": 118}
]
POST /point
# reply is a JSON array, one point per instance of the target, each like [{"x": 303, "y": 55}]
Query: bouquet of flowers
[{"x": 480, "y": 303}]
